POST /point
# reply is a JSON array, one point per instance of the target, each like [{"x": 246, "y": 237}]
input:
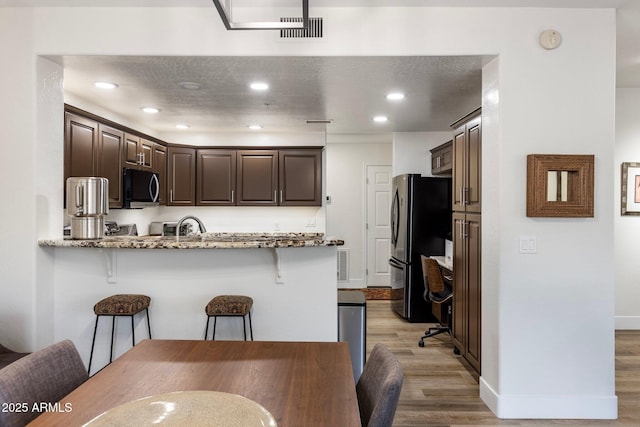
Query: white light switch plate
[{"x": 528, "y": 245}]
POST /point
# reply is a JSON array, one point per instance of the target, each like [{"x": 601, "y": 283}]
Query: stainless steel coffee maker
[{"x": 87, "y": 205}]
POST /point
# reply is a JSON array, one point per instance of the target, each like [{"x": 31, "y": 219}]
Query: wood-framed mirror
[{"x": 560, "y": 185}]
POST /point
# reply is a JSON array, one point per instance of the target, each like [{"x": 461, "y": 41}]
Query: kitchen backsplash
[{"x": 228, "y": 219}]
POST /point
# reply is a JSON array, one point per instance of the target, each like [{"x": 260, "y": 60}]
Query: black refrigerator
[{"x": 420, "y": 224}]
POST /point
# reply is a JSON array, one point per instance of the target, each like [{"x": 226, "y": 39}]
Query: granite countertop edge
[{"x": 204, "y": 241}]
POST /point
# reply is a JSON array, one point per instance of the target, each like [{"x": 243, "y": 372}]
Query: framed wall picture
[
  {"x": 630, "y": 189},
  {"x": 560, "y": 185}
]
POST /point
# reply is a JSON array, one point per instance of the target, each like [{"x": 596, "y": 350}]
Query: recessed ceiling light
[
  {"x": 395, "y": 96},
  {"x": 255, "y": 127},
  {"x": 182, "y": 126},
  {"x": 190, "y": 85},
  {"x": 381, "y": 119},
  {"x": 150, "y": 110},
  {"x": 259, "y": 86},
  {"x": 105, "y": 85}
]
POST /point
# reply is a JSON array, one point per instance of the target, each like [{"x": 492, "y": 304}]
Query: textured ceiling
[{"x": 347, "y": 90}]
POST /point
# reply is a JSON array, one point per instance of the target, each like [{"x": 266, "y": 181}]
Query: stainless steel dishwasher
[{"x": 352, "y": 327}]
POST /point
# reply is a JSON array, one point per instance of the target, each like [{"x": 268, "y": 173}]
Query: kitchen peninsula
[{"x": 290, "y": 276}]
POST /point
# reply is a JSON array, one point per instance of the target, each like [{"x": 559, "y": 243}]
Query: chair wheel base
[
  {"x": 421, "y": 344},
  {"x": 456, "y": 350}
]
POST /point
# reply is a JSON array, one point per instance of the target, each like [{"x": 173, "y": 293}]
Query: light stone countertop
[{"x": 200, "y": 241}]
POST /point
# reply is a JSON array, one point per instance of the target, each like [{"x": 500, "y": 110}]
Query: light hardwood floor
[{"x": 439, "y": 391}]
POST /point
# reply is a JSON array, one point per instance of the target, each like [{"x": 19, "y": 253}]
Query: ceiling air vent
[{"x": 314, "y": 30}]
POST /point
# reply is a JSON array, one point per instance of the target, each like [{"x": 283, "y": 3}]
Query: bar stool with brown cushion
[
  {"x": 229, "y": 306},
  {"x": 120, "y": 305}
]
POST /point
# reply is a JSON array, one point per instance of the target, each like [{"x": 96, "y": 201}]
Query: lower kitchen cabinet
[
  {"x": 216, "y": 177},
  {"x": 181, "y": 176},
  {"x": 466, "y": 330}
]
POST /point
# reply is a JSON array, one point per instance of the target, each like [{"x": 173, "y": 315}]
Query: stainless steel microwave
[{"x": 141, "y": 189}]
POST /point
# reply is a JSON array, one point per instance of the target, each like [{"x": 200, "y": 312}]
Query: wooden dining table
[{"x": 299, "y": 383}]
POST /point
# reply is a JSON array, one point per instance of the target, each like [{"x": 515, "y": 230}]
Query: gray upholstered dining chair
[
  {"x": 44, "y": 376},
  {"x": 8, "y": 356},
  {"x": 379, "y": 387}
]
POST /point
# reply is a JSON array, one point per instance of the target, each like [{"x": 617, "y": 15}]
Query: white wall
[
  {"x": 554, "y": 318},
  {"x": 627, "y": 227},
  {"x": 182, "y": 282},
  {"x": 347, "y": 158},
  {"x": 411, "y": 151}
]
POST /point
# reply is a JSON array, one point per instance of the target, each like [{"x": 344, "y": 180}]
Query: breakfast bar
[{"x": 290, "y": 276}]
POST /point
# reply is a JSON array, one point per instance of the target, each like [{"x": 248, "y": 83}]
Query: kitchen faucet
[{"x": 184, "y": 218}]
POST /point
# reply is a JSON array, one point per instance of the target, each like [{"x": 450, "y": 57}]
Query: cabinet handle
[
  {"x": 463, "y": 230},
  {"x": 171, "y": 195},
  {"x": 143, "y": 159},
  {"x": 280, "y": 196},
  {"x": 232, "y": 195},
  {"x": 466, "y": 195},
  {"x": 275, "y": 196}
]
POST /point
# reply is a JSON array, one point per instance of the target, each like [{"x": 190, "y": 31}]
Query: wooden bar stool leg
[
  {"x": 250, "y": 326},
  {"x": 215, "y": 318}
]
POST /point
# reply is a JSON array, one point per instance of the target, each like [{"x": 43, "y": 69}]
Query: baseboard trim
[
  {"x": 550, "y": 406},
  {"x": 627, "y": 322}
]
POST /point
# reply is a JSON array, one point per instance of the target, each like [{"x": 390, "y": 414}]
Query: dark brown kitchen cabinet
[
  {"x": 442, "y": 159},
  {"x": 160, "y": 167},
  {"x": 467, "y": 162},
  {"x": 216, "y": 177},
  {"x": 181, "y": 176},
  {"x": 466, "y": 230},
  {"x": 257, "y": 177},
  {"x": 138, "y": 152},
  {"x": 109, "y": 160},
  {"x": 93, "y": 149},
  {"x": 300, "y": 177},
  {"x": 466, "y": 331}
]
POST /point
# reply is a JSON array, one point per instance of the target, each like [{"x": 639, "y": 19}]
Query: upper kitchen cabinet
[
  {"x": 467, "y": 148},
  {"x": 181, "y": 176},
  {"x": 80, "y": 145},
  {"x": 160, "y": 167},
  {"x": 442, "y": 159},
  {"x": 300, "y": 177},
  {"x": 216, "y": 177},
  {"x": 108, "y": 161},
  {"x": 257, "y": 177},
  {"x": 138, "y": 152},
  {"x": 93, "y": 149}
]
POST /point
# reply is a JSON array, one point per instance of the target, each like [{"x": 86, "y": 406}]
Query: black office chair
[{"x": 436, "y": 291}]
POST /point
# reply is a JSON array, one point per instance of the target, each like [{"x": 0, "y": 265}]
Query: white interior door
[{"x": 378, "y": 224}]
